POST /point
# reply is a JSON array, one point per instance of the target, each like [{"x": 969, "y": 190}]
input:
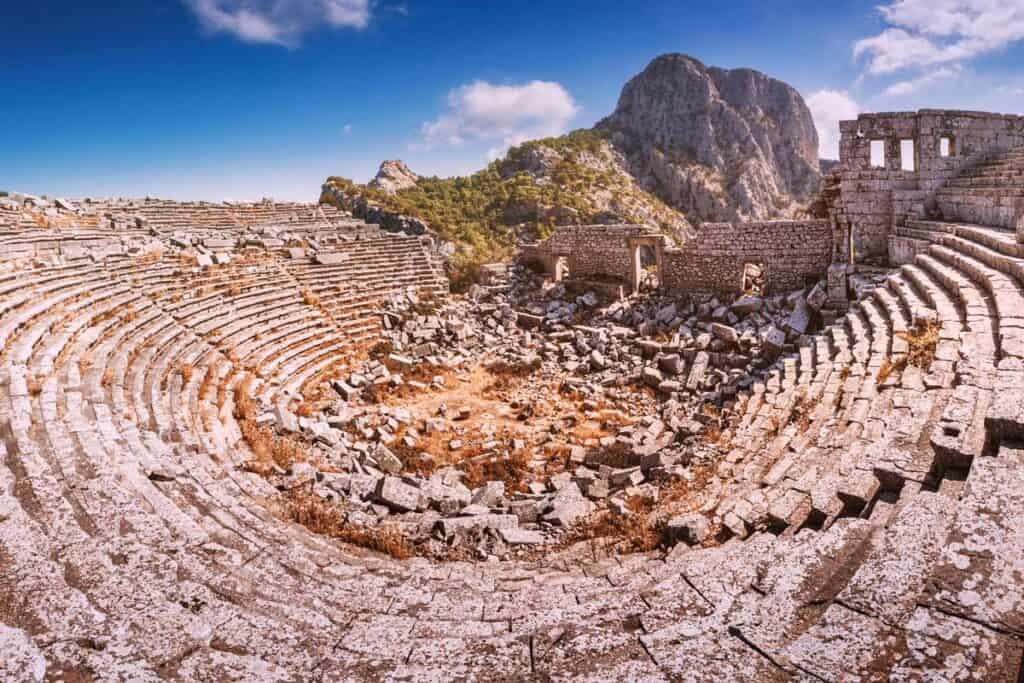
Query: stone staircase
[
  {"x": 990, "y": 193},
  {"x": 872, "y": 524}
]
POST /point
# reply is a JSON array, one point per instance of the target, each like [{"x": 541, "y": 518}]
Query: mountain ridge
[{"x": 686, "y": 144}]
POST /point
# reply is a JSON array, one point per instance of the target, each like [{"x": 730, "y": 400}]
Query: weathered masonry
[
  {"x": 897, "y": 168},
  {"x": 790, "y": 253}
]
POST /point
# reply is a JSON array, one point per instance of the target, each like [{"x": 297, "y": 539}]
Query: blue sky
[{"x": 241, "y": 99}]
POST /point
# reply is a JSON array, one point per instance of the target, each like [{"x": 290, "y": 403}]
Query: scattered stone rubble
[{"x": 651, "y": 361}]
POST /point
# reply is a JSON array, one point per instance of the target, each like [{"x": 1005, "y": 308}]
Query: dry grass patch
[
  {"x": 640, "y": 531},
  {"x": 268, "y": 447},
  {"x": 327, "y": 518},
  {"x": 309, "y": 298},
  {"x": 923, "y": 340},
  {"x": 885, "y": 371},
  {"x": 518, "y": 368},
  {"x": 512, "y": 469},
  {"x": 802, "y": 414},
  {"x": 643, "y": 529}
]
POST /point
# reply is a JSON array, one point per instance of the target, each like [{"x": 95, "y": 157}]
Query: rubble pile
[{"x": 488, "y": 426}]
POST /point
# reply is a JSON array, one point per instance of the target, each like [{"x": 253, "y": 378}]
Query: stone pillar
[{"x": 838, "y": 295}]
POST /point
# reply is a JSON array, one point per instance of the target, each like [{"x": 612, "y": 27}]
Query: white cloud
[
  {"x": 1010, "y": 90},
  {"x": 925, "y": 33},
  {"x": 279, "y": 22},
  {"x": 915, "y": 84},
  {"x": 829, "y": 107},
  {"x": 510, "y": 114}
]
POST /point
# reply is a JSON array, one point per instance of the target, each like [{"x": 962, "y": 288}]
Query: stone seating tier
[{"x": 857, "y": 527}]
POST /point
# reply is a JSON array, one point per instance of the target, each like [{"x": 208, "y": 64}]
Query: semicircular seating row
[{"x": 133, "y": 547}]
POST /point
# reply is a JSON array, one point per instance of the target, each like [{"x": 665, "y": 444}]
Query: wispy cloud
[
  {"x": 925, "y": 33},
  {"x": 278, "y": 22},
  {"x": 916, "y": 84},
  {"x": 828, "y": 108},
  {"x": 509, "y": 114}
]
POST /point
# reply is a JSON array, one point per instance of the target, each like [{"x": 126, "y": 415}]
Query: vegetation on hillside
[{"x": 571, "y": 178}]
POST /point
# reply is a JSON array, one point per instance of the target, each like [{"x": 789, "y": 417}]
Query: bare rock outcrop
[
  {"x": 717, "y": 144},
  {"x": 393, "y": 176}
]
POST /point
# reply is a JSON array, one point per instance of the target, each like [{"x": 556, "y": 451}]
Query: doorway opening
[
  {"x": 755, "y": 278},
  {"x": 646, "y": 268}
]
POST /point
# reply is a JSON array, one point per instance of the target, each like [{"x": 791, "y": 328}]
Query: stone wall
[
  {"x": 598, "y": 250},
  {"x": 874, "y": 200},
  {"x": 791, "y": 253}
]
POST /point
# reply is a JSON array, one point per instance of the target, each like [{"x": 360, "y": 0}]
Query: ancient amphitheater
[{"x": 863, "y": 514}]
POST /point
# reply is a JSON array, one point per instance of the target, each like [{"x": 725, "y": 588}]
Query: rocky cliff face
[
  {"x": 393, "y": 176},
  {"x": 717, "y": 144}
]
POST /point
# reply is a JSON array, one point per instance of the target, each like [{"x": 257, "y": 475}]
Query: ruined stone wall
[
  {"x": 537, "y": 255},
  {"x": 598, "y": 250},
  {"x": 874, "y": 200},
  {"x": 790, "y": 251}
]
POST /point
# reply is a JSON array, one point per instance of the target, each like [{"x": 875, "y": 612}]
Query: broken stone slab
[
  {"x": 398, "y": 495},
  {"x": 344, "y": 390},
  {"x": 402, "y": 362},
  {"x": 672, "y": 363},
  {"x": 528, "y": 321},
  {"x": 520, "y": 536},
  {"x": 286, "y": 419},
  {"x": 490, "y": 494},
  {"x": 691, "y": 529},
  {"x": 746, "y": 305},
  {"x": 774, "y": 342},
  {"x": 325, "y": 434},
  {"x": 726, "y": 333},
  {"x": 651, "y": 377},
  {"x": 526, "y": 511},
  {"x": 800, "y": 318},
  {"x": 622, "y": 478},
  {"x": 666, "y": 314},
  {"x": 818, "y": 297},
  {"x": 568, "y": 506},
  {"x": 697, "y": 370},
  {"x": 670, "y": 386},
  {"x": 450, "y": 526},
  {"x": 386, "y": 460},
  {"x": 363, "y": 486},
  {"x": 331, "y": 258}
]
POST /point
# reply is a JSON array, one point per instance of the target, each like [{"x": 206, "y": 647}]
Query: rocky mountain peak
[
  {"x": 393, "y": 176},
  {"x": 717, "y": 144}
]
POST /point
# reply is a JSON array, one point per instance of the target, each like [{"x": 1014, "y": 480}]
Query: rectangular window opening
[
  {"x": 907, "y": 155},
  {"x": 945, "y": 147},
  {"x": 878, "y": 154}
]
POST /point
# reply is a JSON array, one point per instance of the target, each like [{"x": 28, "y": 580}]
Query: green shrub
[{"x": 474, "y": 211}]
